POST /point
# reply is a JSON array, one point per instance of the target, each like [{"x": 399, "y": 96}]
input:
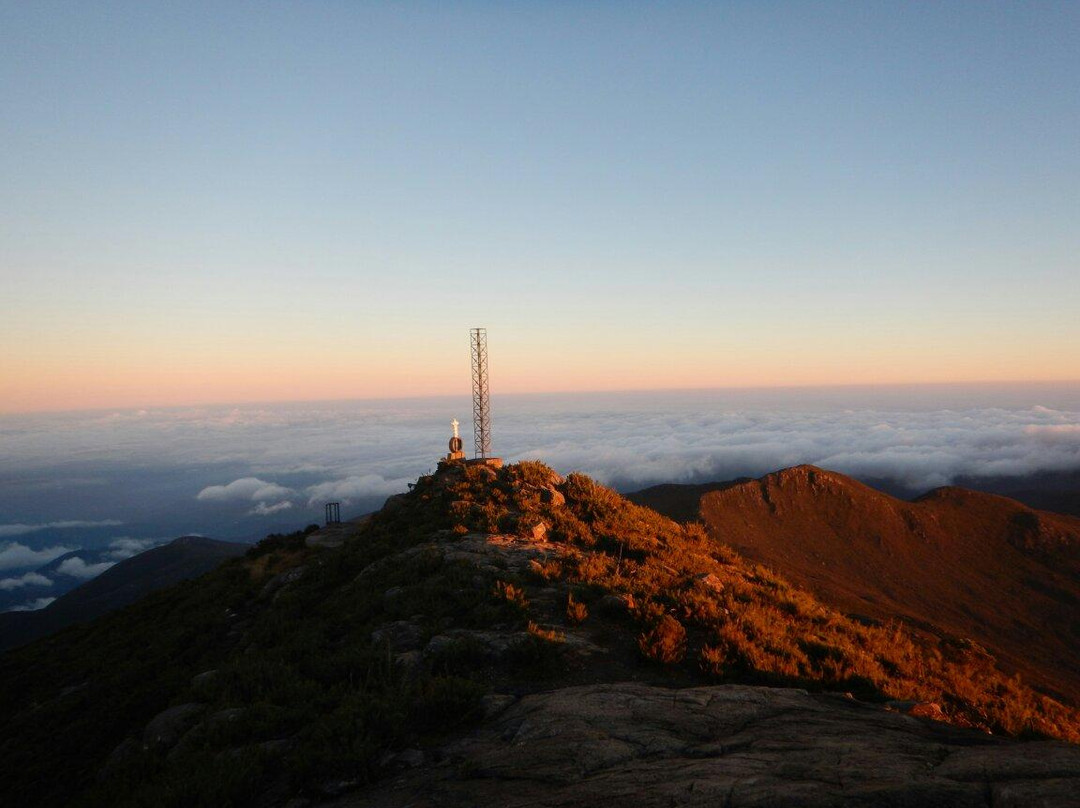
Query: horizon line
[{"x": 586, "y": 392}]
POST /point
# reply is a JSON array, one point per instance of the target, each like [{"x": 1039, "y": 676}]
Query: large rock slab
[{"x": 630, "y": 744}]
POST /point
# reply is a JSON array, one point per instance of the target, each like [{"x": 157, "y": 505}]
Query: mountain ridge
[
  {"x": 473, "y": 607},
  {"x": 955, "y": 561},
  {"x": 121, "y": 584}
]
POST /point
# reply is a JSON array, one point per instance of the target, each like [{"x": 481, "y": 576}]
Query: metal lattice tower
[{"x": 481, "y": 404}]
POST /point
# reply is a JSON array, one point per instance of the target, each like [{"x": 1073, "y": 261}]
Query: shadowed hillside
[
  {"x": 121, "y": 584},
  {"x": 954, "y": 561},
  {"x": 316, "y": 666}
]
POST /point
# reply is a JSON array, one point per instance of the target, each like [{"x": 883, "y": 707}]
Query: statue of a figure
[{"x": 456, "y": 444}]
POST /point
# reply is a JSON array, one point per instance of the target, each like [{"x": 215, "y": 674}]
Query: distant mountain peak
[{"x": 958, "y": 561}]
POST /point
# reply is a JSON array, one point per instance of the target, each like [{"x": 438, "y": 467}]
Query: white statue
[{"x": 454, "y": 425}]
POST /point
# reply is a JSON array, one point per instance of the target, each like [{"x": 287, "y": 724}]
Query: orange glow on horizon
[{"x": 92, "y": 386}]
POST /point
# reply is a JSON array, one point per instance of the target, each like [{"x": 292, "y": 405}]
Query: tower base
[{"x": 493, "y": 462}]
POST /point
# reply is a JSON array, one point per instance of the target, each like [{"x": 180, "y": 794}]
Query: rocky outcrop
[
  {"x": 165, "y": 729},
  {"x": 335, "y": 535},
  {"x": 740, "y": 747}
]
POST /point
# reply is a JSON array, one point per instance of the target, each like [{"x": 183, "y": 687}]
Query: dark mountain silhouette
[
  {"x": 953, "y": 561},
  {"x": 1056, "y": 491},
  {"x": 56, "y": 583},
  {"x": 123, "y": 583},
  {"x": 504, "y": 636}
]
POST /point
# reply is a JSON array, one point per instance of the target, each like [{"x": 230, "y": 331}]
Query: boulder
[
  {"x": 615, "y": 605},
  {"x": 204, "y": 679},
  {"x": 401, "y": 636},
  {"x": 711, "y": 582},
  {"x": 282, "y": 580},
  {"x": 549, "y": 496},
  {"x": 535, "y": 530},
  {"x": 165, "y": 728}
]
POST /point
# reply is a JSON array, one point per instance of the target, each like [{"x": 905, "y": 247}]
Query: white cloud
[
  {"x": 326, "y": 451},
  {"x": 262, "y": 509},
  {"x": 355, "y": 487},
  {"x": 920, "y": 449},
  {"x": 1055, "y": 430},
  {"x": 33, "y": 605},
  {"x": 126, "y": 547},
  {"x": 77, "y": 568},
  {"x": 14, "y": 555},
  {"x": 22, "y": 529},
  {"x": 29, "y": 579},
  {"x": 250, "y": 489}
]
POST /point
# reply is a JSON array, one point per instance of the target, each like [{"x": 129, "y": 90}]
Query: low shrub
[
  {"x": 576, "y": 612},
  {"x": 665, "y": 642}
]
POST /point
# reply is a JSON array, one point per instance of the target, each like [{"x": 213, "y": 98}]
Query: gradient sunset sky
[{"x": 229, "y": 202}]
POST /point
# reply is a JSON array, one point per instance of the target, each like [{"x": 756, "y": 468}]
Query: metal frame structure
[
  {"x": 333, "y": 513},
  {"x": 481, "y": 399}
]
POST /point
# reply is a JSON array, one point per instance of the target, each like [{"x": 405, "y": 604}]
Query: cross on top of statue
[{"x": 456, "y": 445}]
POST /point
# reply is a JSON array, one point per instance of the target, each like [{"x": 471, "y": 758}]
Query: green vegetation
[{"x": 298, "y": 689}]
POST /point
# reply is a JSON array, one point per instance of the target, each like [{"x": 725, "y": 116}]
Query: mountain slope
[
  {"x": 123, "y": 583},
  {"x": 955, "y": 561},
  {"x": 302, "y": 670}
]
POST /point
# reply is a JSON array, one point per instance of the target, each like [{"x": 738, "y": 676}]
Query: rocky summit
[{"x": 507, "y": 636}]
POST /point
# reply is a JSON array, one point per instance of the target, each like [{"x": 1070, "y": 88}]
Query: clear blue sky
[{"x": 237, "y": 201}]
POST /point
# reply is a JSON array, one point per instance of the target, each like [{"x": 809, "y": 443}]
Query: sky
[{"x": 241, "y": 202}]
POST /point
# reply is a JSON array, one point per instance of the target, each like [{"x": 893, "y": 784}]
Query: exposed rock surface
[
  {"x": 630, "y": 744},
  {"x": 336, "y": 534}
]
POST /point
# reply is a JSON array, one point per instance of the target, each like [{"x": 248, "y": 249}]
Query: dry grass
[
  {"x": 546, "y": 571},
  {"x": 576, "y": 612},
  {"x": 749, "y": 623},
  {"x": 547, "y": 634},
  {"x": 664, "y": 642},
  {"x": 511, "y": 594}
]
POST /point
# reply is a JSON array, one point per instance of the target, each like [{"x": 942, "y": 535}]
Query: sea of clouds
[{"x": 81, "y": 480}]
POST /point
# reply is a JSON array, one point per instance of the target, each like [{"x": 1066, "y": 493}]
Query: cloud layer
[
  {"x": 126, "y": 547},
  {"x": 246, "y": 489},
  {"x": 29, "y": 579},
  {"x": 14, "y": 555},
  {"x": 285, "y": 461},
  {"x": 78, "y": 568},
  {"x": 918, "y": 449},
  {"x": 22, "y": 529},
  {"x": 263, "y": 509},
  {"x": 355, "y": 487},
  {"x": 33, "y": 605}
]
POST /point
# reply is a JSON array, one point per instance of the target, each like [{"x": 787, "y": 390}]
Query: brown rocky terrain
[
  {"x": 953, "y": 562},
  {"x": 511, "y": 637}
]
